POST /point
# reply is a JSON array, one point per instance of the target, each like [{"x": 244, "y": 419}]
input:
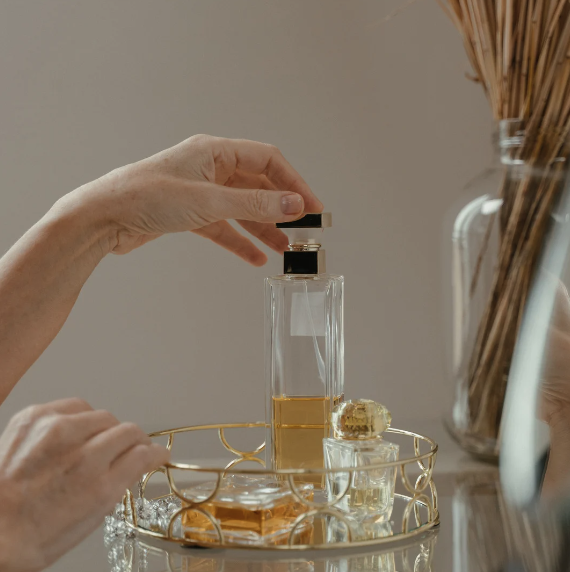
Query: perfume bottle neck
[
  {"x": 304, "y": 246},
  {"x": 306, "y": 258},
  {"x": 304, "y": 254}
]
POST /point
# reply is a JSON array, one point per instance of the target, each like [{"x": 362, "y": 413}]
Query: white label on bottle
[{"x": 308, "y": 314}]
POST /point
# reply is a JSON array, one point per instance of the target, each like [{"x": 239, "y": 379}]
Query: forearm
[
  {"x": 40, "y": 279},
  {"x": 197, "y": 186}
]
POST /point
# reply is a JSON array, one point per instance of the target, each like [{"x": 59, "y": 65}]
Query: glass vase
[{"x": 496, "y": 241}]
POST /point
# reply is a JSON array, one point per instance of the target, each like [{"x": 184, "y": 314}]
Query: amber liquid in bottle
[
  {"x": 300, "y": 425},
  {"x": 249, "y": 509},
  {"x": 262, "y": 521}
]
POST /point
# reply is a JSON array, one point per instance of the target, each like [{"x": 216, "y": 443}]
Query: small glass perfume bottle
[
  {"x": 358, "y": 426},
  {"x": 304, "y": 351},
  {"x": 250, "y": 510}
]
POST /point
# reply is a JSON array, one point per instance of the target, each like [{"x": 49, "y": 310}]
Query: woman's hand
[
  {"x": 63, "y": 466},
  {"x": 197, "y": 186}
]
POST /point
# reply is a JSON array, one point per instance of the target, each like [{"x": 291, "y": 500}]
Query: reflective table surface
[{"x": 476, "y": 533}]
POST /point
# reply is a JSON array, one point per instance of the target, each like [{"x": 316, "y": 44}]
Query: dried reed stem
[{"x": 520, "y": 53}]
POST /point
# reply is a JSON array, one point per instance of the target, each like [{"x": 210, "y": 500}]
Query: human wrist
[
  {"x": 88, "y": 213},
  {"x": 13, "y": 554}
]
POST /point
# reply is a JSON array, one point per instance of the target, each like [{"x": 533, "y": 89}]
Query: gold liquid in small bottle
[
  {"x": 300, "y": 425},
  {"x": 249, "y": 509}
]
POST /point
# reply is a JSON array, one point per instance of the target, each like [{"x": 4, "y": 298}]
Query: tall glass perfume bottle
[
  {"x": 304, "y": 350},
  {"x": 358, "y": 426}
]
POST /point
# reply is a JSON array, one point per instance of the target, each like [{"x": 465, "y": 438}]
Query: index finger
[
  {"x": 264, "y": 159},
  {"x": 32, "y": 413}
]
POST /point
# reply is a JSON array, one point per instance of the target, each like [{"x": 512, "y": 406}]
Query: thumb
[{"x": 258, "y": 205}]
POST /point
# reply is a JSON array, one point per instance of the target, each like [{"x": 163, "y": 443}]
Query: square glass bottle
[
  {"x": 358, "y": 426},
  {"x": 304, "y": 351},
  {"x": 249, "y": 510}
]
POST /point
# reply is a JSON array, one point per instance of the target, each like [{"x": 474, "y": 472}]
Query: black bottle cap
[{"x": 315, "y": 220}]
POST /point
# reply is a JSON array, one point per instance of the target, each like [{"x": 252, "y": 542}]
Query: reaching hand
[
  {"x": 198, "y": 186},
  {"x": 63, "y": 466}
]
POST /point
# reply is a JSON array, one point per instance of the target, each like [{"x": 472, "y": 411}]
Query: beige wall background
[{"x": 379, "y": 119}]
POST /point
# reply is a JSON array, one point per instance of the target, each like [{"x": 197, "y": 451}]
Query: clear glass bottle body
[
  {"x": 370, "y": 492},
  {"x": 495, "y": 243},
  {"x": 304, "y": 367}
]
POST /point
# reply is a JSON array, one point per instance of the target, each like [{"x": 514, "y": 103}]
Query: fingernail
[{"x": 292, "y": 204}]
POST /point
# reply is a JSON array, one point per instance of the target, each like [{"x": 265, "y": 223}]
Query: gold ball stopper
[{"x": 360, "y": 419}]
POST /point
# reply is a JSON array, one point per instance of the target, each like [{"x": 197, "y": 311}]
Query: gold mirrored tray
[{"x": 182, "y": 516}]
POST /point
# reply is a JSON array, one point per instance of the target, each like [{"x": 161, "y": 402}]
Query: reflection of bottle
[
  {"x": 379, "y": 561},
  {"x": 305, "y": 349},
  {"x": 358, "y": 426}
]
